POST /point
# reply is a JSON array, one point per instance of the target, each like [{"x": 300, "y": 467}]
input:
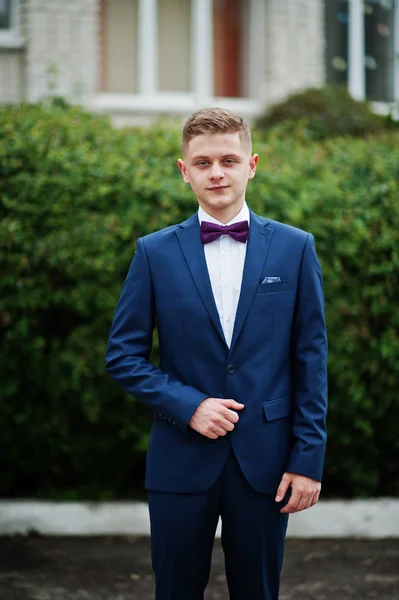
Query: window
[
  {"x": 5, "y": 14},
  {"x": 362, "y": 47},
  {"x": 174, "y": 48},
  {"x": 337, "y": 21},
  {"x": 174, "y": 51},
  {"x": 9, "y": 24},
  {"x": 380, "y": 50},
  {"x": 118, "y": 41},
  {"x": 230, "y": 19}
]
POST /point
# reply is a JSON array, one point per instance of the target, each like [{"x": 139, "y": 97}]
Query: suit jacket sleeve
[
  {"x": 129, "y": 348},
  {"x": 309, "y": 357}
]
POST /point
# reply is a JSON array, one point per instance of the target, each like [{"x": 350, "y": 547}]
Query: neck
[{"x": 224, "y": 215}]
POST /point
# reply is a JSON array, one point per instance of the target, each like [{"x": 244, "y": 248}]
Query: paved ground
[{"x": 36, "y": 568}]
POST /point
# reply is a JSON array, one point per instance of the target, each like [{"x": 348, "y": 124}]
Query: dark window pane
[
  {"x": 336, "y": 35},
  {"x": 380, "y": 49},
  {"x": 5, "y": 9}
]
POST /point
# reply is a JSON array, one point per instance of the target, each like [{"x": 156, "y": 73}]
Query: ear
[
  {"x": 182, "y": 167},
  {"x": 253, "y": 161}
]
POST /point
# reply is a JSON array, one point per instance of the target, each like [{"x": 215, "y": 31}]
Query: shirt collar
[{"x": 243, "y": 215}]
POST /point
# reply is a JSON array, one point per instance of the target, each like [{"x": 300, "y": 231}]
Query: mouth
[{"x": 217, "y": 188}]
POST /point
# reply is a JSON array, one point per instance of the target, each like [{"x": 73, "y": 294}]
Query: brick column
[
  {"x": 294, "y": 42},
  {"x": 62, "y": 48}
]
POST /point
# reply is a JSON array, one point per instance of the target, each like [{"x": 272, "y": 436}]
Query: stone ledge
[{"x": 374, "y": 519}]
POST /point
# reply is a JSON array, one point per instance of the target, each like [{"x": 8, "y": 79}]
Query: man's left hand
[{"x": 304, "y": 494}]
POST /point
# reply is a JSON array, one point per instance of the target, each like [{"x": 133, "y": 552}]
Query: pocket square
[{"x": 272, "y": 280}]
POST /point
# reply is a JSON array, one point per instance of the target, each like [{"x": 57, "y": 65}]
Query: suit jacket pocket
[
  {"x": 277, "y": 409},
  {"x": 267, "y": 288}
]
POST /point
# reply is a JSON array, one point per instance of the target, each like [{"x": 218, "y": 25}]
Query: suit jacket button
[{"x": 231, "y": 369}]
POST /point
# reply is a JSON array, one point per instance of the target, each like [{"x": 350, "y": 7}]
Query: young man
[{"x": 239, "y": 398}]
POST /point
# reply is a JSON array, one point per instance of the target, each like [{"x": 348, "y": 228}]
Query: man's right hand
[{"x": 214, "y": 417}]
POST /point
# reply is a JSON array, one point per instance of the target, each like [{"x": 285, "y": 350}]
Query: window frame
[
  {"x": 149, "y": 100},
  {"x": 356, "y": 52},
  {"x": 11, "y": 37}
]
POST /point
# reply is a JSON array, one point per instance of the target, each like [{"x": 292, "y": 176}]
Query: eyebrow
[{"x": 228, "y": 155}]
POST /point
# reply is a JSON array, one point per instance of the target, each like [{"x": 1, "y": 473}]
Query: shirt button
[
  {"x": 231, "y": 369},
  {"x": 225, "y": 285},
  {"x": 228, "y": 319}
]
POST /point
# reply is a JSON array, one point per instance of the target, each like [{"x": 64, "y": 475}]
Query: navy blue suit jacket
[{"x": 276, "y": 365}]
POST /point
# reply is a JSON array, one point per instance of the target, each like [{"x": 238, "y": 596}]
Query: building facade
[{"x": 136, "y": 59}]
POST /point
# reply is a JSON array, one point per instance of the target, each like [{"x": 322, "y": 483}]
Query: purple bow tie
[{"x": 211, "y": 231}]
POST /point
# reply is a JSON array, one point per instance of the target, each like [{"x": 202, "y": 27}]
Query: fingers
[
  {"x": 220, "y": 432},
  {"x": 215, "y": 432},
  {"x": 302, "y": 497},
  {"x": 215, "y": 417},
  {"x": 229, "y": 403},
  {"x": 227, "y": 425},
  {"x": 292, "y": 504},
  {"x": 225, "y": 419},
  {"x": 302, "y": 502},
  {"x": 308, "y": 502},
  {"x": 218, "y": 428},
  {"x": 230, "y": 415},
  {"x": 299, "y": 502},
  {"x": 283, "y": 487},
  {"x": 224, "y": 424},
  {"x": 315, "y": 498}
]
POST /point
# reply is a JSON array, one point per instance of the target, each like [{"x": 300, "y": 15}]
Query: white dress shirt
[{"x": 225, "y": 261}]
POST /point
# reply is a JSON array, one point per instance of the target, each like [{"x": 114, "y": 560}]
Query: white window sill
[
  {"x": 386, "y": 108},
  {"x": 170, "y": 103},
  {"x": 10, "y": 39}
]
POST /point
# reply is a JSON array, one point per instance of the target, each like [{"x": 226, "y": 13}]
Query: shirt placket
[{"x": 226, "y": 286}]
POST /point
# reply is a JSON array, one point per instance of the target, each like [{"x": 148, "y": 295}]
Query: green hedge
[
  {"x": 321, "y": 113},
  {"x": 75, "y": 194}
]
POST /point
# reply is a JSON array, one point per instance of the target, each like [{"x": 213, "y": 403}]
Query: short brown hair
[{"x": 214, "y": 120}]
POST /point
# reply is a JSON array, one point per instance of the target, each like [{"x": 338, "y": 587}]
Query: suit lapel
[
  {"x": 190, "y": 241},
  {"x": 257, "y": 250}
]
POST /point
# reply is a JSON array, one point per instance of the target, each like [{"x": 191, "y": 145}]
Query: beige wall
[
  {"x": 60, "y": 45},
  {"x": 119, "y": 46},
  {"x": 69, "y": 44},
  {"x": 294, "y": 40},
  {"x": 174, "y": 56},
  {"x": 11, "y": 76}
]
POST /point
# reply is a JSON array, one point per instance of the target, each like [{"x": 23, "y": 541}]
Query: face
[{"x": 218, "y": 167}]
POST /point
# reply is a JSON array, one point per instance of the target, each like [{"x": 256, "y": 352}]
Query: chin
[
  {"x": 221, "y": 201},
  {"x": 219, "y": 206}
]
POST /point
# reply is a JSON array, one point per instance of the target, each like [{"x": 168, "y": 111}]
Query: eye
[
  {"x": 229, "y": 160},
  {"x": 202, "y": 163}
]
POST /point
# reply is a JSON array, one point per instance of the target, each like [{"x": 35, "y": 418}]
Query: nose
[{"x": 216, "y": 172}]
